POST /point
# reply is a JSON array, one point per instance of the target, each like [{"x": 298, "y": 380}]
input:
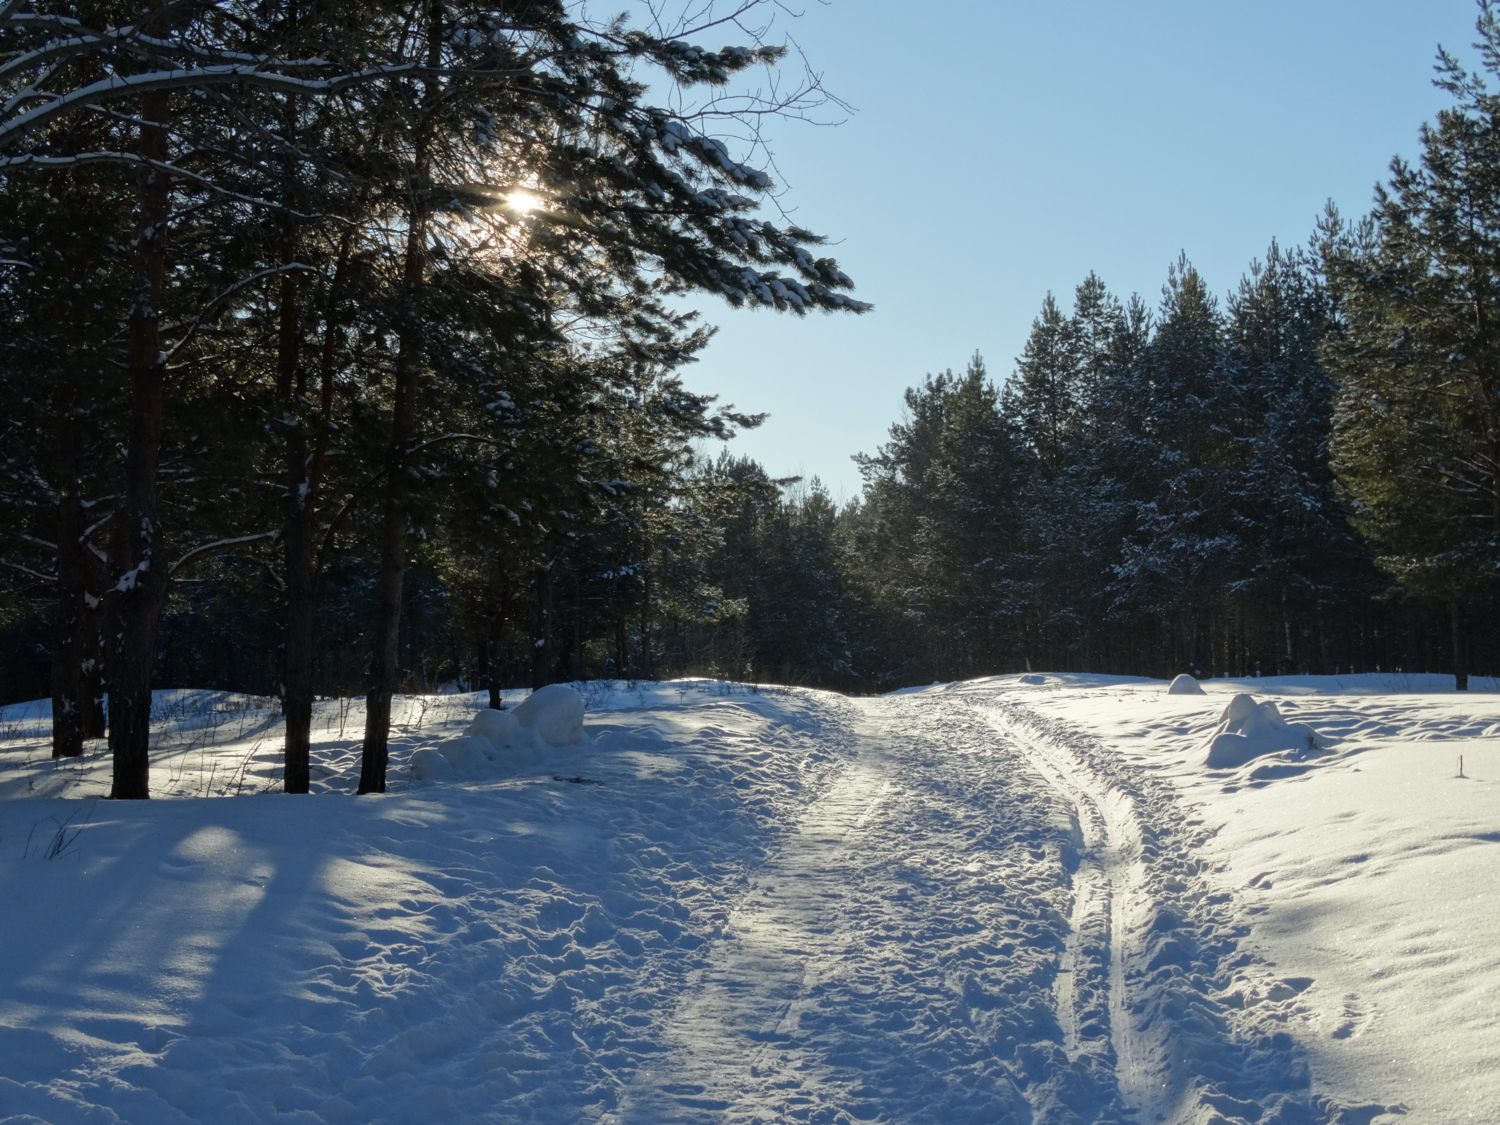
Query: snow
[
  {"x": 1362, "y": 878},
  {"x": 1184, "y": 685},
  {"x": 1023, "y": 898},
  {"x": 556, "y": 713},
  {"x": 1249, "y": 730},
  {"x": 500, "y": 727}
]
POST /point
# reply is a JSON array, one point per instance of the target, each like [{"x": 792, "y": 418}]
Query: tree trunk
[
  {"x": 68, "y": 675},
  {"x": 384, "y": 659},
  {"x": 646, "y": 626},
  {"x": 142, "y": 568},
  {"x": 297, "y": 674},
  {"x": 397, "y": 508},
  {"x": 395, "y": 517},
  {"x": 304, "y": 479},
  {"x": 575, "y": 640},
  {"x": 622, "y": 648},
  {"x": 490, "y": 649},
  {"x": 91, "y": 647},
  {"x": 541, "y": 650},
  {"x": 1460, "y": 647}
]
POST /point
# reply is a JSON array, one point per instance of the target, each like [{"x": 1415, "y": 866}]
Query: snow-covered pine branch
[{"x": 217, "y": 544}]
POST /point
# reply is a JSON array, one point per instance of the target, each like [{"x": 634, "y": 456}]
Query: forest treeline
[{"x": 343, "y": 355}]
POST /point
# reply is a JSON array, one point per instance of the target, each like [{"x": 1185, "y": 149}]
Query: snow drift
[
  {"x": 556, "y": 713},
  {"x": 1249, "y": 730},
  {"x": 504, "y": 741},
  {"x": 500, "y": 727},
  {"x": 1185, "y": 685}
]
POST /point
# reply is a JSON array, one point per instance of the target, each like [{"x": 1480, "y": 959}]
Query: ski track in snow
[
  {"x": 929, "y": 907},
  {"x": 1091, "y": 993},
  {"x": 1163, "y": 947},
  {"x": 895, "y": 959}
]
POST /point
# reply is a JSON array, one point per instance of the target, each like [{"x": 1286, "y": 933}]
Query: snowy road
[
  {"x": 983, "y": 918},
  {"x": 773, "y": 907},
  {"x": 892, "y": 954}
]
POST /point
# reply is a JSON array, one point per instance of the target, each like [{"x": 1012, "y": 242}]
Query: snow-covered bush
[{"x": 1249, "y": 729}]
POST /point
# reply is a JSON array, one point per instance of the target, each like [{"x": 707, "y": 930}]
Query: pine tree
[{"x": 1417, "y": 431}]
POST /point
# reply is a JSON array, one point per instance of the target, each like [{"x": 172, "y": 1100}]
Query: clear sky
[{"x": 1002, "y": 149}]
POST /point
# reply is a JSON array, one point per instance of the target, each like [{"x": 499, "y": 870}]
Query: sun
[{"x": 523, "y": 202}]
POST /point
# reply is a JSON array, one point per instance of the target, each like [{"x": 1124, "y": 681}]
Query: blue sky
[{"x": 1002, "y": 150}]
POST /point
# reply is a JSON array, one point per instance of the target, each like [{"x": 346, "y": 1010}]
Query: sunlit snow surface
[
  {"x": 1017, "y": 899},
  {"x": 1372, "y": 871}
]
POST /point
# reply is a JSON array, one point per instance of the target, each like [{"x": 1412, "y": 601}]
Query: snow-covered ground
[{"x": 1019, "y": 899}]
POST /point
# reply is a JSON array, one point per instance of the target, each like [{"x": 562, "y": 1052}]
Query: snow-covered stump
[{"x": 1249, "y": 730}]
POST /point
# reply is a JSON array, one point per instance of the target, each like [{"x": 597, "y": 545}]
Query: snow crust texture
[
  {"x": 1156, "y": 950},
  {"x": 895, "y": 960}
]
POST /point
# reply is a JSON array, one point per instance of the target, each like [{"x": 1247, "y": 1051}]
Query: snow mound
[
  {"x": 1185, "y": 685},
  {"x": 1032, "y": 680},
  {"x": 555, "y": 712},
  {"x": 502, "y": 728},
  {"x": 1249, "y": 729},
  {"x": 428, "y": 764}
]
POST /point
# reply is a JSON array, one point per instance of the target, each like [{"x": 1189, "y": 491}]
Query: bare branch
[
  {"x": 197, "y": 321},
  {"x": 196, "y": 551},
  {"x": 30, "y": 573}
]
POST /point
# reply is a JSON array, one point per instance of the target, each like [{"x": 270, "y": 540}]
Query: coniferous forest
[{"x": 344, "y": 352}]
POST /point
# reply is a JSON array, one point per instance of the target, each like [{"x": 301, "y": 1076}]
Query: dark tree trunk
[
  {"x": 482, "y": 666},
  {"x": 575, "y": 640},
  {"x": 384, "y": 660},
  {"x": 395, "y": 516},
  {"x": 297, "y": 673},
  {"x": 491, "y": 650},
  {"x": 304, "y": 479},
  {"x": 541, "y": 649},
  {"x": 396, "y": 512},
  {"x": 646, "y": 626},
  {"x": 1460, "y": 646},
  {"x": 68, "y": 676},
  {"x": 140, "y": 562},
  {"x": 622, "y": 648},
  {"x": 91, "y": 647}
]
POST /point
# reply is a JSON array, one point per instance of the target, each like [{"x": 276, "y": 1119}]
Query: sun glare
[{"x": 523, "y": 201}]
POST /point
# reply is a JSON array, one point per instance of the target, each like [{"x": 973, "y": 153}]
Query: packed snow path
[
  {"x": 984, "y": 918},
  {"x": 909, "y": 926},
  {"x": 769, "y": 907}
]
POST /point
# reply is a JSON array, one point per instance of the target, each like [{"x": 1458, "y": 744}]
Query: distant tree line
[{"x": 1302, "y": 479}]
